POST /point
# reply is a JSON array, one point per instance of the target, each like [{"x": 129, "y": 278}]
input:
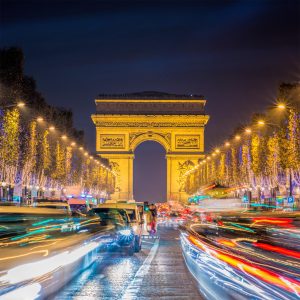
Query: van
[{"x": 135, "y": 214}]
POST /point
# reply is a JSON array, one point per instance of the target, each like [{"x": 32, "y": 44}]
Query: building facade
[{"x": 124, "y": 121}]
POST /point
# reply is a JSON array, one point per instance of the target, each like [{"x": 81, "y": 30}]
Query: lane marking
[{"x": 133, "y": 288}]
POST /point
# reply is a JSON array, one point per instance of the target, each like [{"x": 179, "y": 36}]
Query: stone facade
[{"x": 177, "y": 124}]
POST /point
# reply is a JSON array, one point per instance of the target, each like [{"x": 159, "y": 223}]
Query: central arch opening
[{"x": 150, "y": 172}]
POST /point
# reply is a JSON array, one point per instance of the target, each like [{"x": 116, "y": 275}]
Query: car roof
[
  {"x": 63, "y": 204},
  {"x": 30, "y": 210},
  {"x": 118, "y": 205}
]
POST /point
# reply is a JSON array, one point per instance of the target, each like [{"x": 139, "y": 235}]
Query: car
[
  {"x": 136, "y": 221},
  {"x": 124, "y": 236},
  {"x": 60, "y": 206},
  {"x": 80, "y": 206}
]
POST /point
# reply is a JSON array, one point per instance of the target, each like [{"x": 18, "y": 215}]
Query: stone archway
[
  {"x": 176, "y": 122},
  {"x": 136, "y": 138},
  {"x": 150, "y": 172}
]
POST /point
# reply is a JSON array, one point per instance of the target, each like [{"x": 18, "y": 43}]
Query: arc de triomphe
[{"x": 124, "y": 121}]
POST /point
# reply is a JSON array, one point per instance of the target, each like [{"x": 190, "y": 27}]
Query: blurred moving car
[
  {"x": 42, "y": 248},
  {"x": 62, "y": 206},
  {"x": 80, "y": 206},
  {"x": 124, "y": 236},
  {"x": 135, "y": 213},
  {"x": 177, "y": 217},
  {"x": 245, "y": 255}
]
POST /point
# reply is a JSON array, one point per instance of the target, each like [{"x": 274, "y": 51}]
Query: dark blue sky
[{"x": 235, "y": 53}]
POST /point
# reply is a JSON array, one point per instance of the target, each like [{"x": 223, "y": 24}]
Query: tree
[{"x": 9, "y": 145}]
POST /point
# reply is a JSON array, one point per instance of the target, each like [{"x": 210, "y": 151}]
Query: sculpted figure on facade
[{"x": 182, "y": 169}]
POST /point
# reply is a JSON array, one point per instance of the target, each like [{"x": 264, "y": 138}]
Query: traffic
[
  {"x": 233, "y": 255},
  {"x": 45, "y": 245}
]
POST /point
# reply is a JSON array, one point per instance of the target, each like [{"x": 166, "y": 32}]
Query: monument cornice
[
  {"x": 150, "y": 101},
  {"x": 150, "y": 120}
]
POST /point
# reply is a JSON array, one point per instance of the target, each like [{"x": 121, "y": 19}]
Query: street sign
[{"x": 290, "y": 199}]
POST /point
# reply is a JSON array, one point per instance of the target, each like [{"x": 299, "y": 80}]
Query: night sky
[{"x": 235, "y": 53}]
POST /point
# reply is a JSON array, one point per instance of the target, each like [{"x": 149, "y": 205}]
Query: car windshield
[
  {"x": 50, "y": 200},
  {"x": 131, "y": 213},
  {"x": 8, "y": 204},
  {"x": 54, "y": 207},
  {"x": 111, "y": 216}
]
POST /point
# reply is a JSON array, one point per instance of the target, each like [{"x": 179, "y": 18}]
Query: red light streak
[
  {"x": 226, "y": 242},
  {"x": 277, "y": 249},
  {"x": 284, "y": 222},
  {"x": 263, "y": 274}
]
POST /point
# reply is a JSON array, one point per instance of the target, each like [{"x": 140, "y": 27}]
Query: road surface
[{"x": 157, "y": 272}]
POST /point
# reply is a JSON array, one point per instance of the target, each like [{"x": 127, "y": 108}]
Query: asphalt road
[{"x": 157, "y": 272}]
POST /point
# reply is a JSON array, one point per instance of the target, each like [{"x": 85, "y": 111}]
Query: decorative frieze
[
  {"x": 112, "y": 141},
  {"x": 187, "y": 141},
  {"x": 147, "y": 124}
]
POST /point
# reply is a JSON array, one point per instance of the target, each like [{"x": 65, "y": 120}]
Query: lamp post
[
  {"x": 282, "y": 106},
  {"x": 19, "y": 104}
]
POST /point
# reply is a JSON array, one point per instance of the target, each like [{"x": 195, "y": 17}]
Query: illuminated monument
[{"x": 124, "y": 121}]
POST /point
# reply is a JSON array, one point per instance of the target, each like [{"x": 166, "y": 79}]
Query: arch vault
[{"x": 176, "y": 122}]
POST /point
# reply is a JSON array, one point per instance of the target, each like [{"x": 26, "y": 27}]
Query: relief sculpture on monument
[{"x": 112, "y": 141}]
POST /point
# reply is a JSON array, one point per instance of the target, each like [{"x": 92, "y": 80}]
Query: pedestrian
[
  {"x": 153, "y": 211},
  {"x": 149, "y": 218}
]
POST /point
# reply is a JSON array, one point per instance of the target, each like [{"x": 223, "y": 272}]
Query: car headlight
[{"x": 125, "y": 232}]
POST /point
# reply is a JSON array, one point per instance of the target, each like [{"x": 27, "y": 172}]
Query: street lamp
[
  {"x": 261, "y": 123},
  {"x": 19, "y": 104},
  {"x": 281, "y": 106},
  {"x": 248, "y": 130}
]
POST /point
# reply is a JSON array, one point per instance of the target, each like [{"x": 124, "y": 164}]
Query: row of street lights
[
  {"x": 64, "y": 137},
  {"x": 248, "y": 130}
]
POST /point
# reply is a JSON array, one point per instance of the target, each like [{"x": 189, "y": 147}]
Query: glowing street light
[
  {"x": 281, "y": 106},
  {"x": 64, "y": 137},
  {"x": 237, "y": 137},
  {"x": 40, "y": 119},
  {"x": 248, "y": 130},
  {"x": 227, "y": 144},
  {"x": 52, "y": 128},
  {"x": 261, "y": 123},
  {"x": 20, "y": 104}
]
